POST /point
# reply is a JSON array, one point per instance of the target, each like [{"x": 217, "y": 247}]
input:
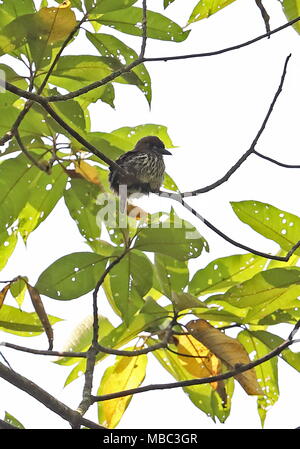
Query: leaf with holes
[
  {"x": 81, "y": 201},
  {"x": 206, "y": 8},
  {"x": 129, "y": 21},
  {"x": 266, "y": 292},
  {"x": 8, "y": 242},
  {"x": 267, "y": 372},
  {"x": 17, "y": 180},
  {"x": 129, "y": 281},
  {"x": 42, "y": 200},
  {"x": 110, "y": 46},
  {"x": 223, "y": 273},
  {"x": 94, "y": 7},
  {"x": 273, "y": 223},
  {"x": 171, "y": 274},
  {"x": 71, "y": 276},
  {"x": 172, "y": 236}
]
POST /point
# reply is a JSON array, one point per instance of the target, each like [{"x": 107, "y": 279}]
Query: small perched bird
[{"x": 144, "y": 167}]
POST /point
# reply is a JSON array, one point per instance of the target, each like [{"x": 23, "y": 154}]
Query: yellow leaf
[
  {"x": 228, "y": 350},
  {"x": 199, "y": 361},
  {"x": 55, "y": 24},
  {"x": 126, "y": 373},
  {"x": 88, "y": 172}
]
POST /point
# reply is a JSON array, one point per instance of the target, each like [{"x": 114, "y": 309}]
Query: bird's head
[{"x": 151, "y": 143}]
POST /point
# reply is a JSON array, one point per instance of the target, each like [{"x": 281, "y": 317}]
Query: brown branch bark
[{"x": 65, "y": 412}]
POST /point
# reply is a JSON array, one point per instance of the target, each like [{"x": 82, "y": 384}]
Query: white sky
[{"x": 213, "y": 108}]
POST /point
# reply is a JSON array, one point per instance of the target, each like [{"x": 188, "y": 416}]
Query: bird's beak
[{"x": 166, "y": 152}]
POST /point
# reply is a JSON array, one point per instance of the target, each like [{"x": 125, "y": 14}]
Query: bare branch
[
  {"x": 265, "y": 15},
  {"x": 251, "y": 150},
  {"x": 65, "y": 412},
  {"x": 274, "y": 161},
  {"x": 223, "y": 50}
]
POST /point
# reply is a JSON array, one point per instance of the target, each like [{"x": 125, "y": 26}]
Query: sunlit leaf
[
  {"x": 109, "y": 46},
  {"x": 18, "y": 289},
  {"x": 42, "y": 200},
  {"x": 267, "y": 372},
  {"x": 172, "y": 274},
  {"x": 22, "y": 323},
  {"x": 223, "y": 273},
  {"x": 130, "y": 280},
  {"x": 291, "y": 9},
  {"x": 272, "y": 223},
  {"x": 71, "y": 276},
  {"x": 129, "y": 21},
  {"x": 228, "y": 350},
  {"x": 265, "y": 293},
  {"x": 126, "y": 373},
  {"x": 173, "y": 237},
  {"x": 206, "y": 8}
]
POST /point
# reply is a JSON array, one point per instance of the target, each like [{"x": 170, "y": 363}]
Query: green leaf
[
  {"x": 265, "y": 293},
  {"x": 173, "y": 237},
  {"x": 18, "y": 289},
  {"x": 10, "y": 419},
  {"x": 17, "y": 178},
  {"x": 74, "y": 71},
  {"x": 109, "y": 46},
  {"x": 42, "y": 200},
  {"x": 71, "y": 276},
  {"x": 171, "y": 274},
  {"x": 129, "y": 21},
  {"x": 167, "y": 3},
  {"x": 10, "y": 9},
  {"x": 81, "y": 201},
  {"x": 273, "y": 223},
  {"x": 107, "y": 5},
  {"x": 130, "y": 280},
  {"x": 19, "y": 322},
  {"x": 206, "y": 8},
  {"x": 126, "y": 137},
  {"x": 223, "y": 273},
  {"x": 291, "y": 9},
  {"x": 272, "y": 341},
  {"x": 8, "y": 241},
  {"x": 267, "y": 372}
]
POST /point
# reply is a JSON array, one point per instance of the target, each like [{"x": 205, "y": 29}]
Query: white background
[{"x": 213, "y": 108}]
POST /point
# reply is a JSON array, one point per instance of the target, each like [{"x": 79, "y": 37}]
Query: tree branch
[
  {"x": 205, "y": 380},
  {"x": 251, "y": 150},
  {"x": 65, "y": 412},
  {"x": 178, "y": 198}
]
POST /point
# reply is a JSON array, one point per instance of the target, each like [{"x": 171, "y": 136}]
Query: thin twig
[
  {"x": 274, "y": 161},
  {"x": 251, "y": 150}
]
